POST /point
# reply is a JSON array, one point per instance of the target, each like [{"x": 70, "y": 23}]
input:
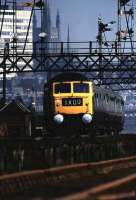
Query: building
[
  {"x": 55, "y": 36},
  {"x": 28, "y": 86},
  {"x": 15, "y": 119},
  {"x": 14, "y": 32}
]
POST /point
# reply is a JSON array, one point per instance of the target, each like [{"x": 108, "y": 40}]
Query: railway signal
[{"x": 124, "y": 2}]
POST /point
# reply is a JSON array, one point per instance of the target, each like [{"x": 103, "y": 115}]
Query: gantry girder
[
  {"x": 109, "y": 67},
  {"x": 107, "y": 63}
]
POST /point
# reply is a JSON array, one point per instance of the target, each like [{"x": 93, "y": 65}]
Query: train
[{"x": 73, "y": 104}]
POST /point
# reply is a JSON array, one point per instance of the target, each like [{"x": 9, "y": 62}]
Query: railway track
[
  {"x": 86, "y": 180},
  {"x": 121, "y": 187}
]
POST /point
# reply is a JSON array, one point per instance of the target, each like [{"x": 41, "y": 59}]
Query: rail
[
  {"x": 107, "y": 191},
  {"x": 24, "y": 181}
]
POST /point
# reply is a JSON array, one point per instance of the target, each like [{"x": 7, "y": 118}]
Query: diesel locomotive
[{"x": 74, "y": 104}]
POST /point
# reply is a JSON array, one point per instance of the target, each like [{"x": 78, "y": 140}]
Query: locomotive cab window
[
  {"x": 62, "y": 88},
  {"x": 81, "y": 87}
]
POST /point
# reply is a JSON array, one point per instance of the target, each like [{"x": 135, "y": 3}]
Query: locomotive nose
[
  {"x": 86, "y": 118},
  {"x": 58, "y": 119}
]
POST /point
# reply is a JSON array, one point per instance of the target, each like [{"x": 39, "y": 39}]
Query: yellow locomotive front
[{"x": 73, "y": 100}]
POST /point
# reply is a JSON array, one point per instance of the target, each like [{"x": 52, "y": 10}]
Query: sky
[{"x": 82, "y": 17}]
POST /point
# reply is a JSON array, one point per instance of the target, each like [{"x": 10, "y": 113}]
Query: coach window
[
  {"x": 107, "y": 99},
  {"x": 107, "y": 102},
  {"x": 119, "y": 106},
  {"x": 95, "y": 99},
  {"x": 112, "y": 104},
  {"x": 116, "y": 105},
  {"x": 62, "y": 88},
  {"x": 122, "y": 105}
]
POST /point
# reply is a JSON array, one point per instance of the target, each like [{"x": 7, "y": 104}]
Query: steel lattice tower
[{"x": 125, "y": 32}]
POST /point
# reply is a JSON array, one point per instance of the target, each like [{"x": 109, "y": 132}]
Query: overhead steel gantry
[
  {"x": 110, "y": 63},
  {"x": 117, "y": 67}
]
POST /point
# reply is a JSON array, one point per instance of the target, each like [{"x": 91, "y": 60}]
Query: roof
[
  {"x": 69, "y": 76},
  {"x": 15, "y": 106}
]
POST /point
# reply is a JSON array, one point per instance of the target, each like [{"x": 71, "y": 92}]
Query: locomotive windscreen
[
  {"x": 81, "y": 87},
  {"x": 62, "y": 88}
]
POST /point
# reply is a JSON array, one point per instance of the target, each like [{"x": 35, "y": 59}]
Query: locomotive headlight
[
  {"x": 86, "y": 118},
  {"x": 58, "y": 119}
]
